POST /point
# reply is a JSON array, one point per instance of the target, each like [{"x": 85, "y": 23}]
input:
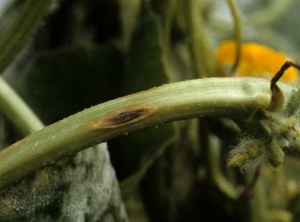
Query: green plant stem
[
  {"x": 263, "y": 17},
  {"x": 214, "y": 171},
  {"x": 231, "y": 97},
  {"x": 238, "y": 32},
  {"x": 269, "y": 14},
  {"x": 169, "y": 16},
  {"x": 166, "y": 43},
  {"x": 21, "y": 29},
  {"x": 258, "y": 206},
  {"x": 198, "y": 41},
  {"x": 131, "y": 183},
  {"x": 17, "y": 111}
]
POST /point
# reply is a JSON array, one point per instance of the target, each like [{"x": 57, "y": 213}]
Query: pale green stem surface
[
  {"x": 17, "y": 111},
  {"x": 231, "y": 97}
]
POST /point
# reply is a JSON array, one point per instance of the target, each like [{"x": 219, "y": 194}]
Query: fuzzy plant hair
[{"x": 269, "y": 134}]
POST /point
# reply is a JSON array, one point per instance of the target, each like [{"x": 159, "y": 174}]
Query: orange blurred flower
[{"x": 256, "y": 60}]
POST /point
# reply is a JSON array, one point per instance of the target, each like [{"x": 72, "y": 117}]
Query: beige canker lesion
[{"x": 123, "y": 117}]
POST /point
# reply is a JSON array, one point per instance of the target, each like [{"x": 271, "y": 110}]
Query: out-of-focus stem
[
  {"x": 238, "y": 32},
  {"x": 17, "y": 111},
  {"x": 203, "y": 61},
  {"x": 21, "y": 29}
]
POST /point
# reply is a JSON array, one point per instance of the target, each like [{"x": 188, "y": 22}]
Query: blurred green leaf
[
  {"x": 60, "y": 83},
  {"x": 145, "y": 68},
  {"x": 21, "y": 29}
]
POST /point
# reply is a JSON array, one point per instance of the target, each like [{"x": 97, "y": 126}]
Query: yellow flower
[{"x": 256, "y": 60}]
